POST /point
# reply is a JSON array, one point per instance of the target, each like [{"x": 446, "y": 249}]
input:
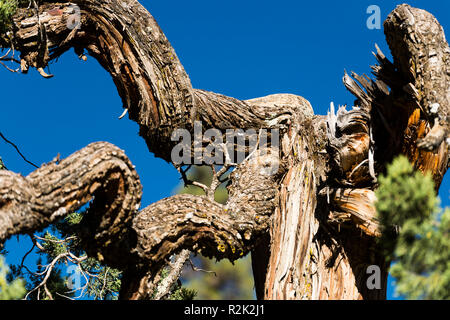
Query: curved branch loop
[{"x": 100, "y": 173}]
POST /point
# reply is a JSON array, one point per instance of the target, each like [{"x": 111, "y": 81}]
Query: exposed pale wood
[{"x": 358, "y": 204}]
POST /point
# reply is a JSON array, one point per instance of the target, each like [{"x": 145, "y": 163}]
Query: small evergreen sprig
[{"x": 415, "y": 232}]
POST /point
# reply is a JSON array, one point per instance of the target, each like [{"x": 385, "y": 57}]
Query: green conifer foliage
[
  {"x": 10, "y": 290},
  {"x": 103, "y": 282},
  {"x": 7, "y": 9},
  {"x": 415, "y": 232}
]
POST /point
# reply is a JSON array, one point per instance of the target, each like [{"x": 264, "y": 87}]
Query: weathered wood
[
  {"x": 422, "y": 55},
  {"x": 150, "y": 79}
]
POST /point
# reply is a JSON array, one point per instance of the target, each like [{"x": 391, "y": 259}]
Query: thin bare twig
[
  {"x": 47, "y": 292},
  {"x": 6, "y": 54},
  {"x": 104, "y": 283},
  {"x": 61, "y": 295},
  {"x": 22, "y": 263},
  {"x": 8, "y": 68},
  {"x": 11, "y": 58},
  {"x": 197, "y": 269},
  {"x": 69, "y": 257},
  {"x": 18, "y": 151},
  {"x": 167, "y": 283},
  {"x": 47, "y": 271},
  {"x": 188, "y": 182},
  {"x": 56, "y": 241},
  {"x": 216, "y": 178}
]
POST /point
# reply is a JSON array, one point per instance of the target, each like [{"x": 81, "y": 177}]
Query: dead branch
[
  {"x": 404, "y": 110},
  {"x": 167, "y": 283}
]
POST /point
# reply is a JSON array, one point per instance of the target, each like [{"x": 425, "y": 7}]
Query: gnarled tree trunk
[{"x": 311, "y": 227}]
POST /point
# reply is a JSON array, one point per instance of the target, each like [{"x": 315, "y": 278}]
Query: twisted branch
[{"x": 100, "y": 172}]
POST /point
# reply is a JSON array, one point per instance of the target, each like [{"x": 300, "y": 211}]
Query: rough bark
[
  {"x": 100, "y": 173},
  {"x": 311, "y": 227}
]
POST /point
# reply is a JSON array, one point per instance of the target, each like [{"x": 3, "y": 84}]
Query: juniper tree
[{"x": 311, "y": 227}]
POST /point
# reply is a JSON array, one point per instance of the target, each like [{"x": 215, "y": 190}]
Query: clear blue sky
[{"x": 244, "y": 49}]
